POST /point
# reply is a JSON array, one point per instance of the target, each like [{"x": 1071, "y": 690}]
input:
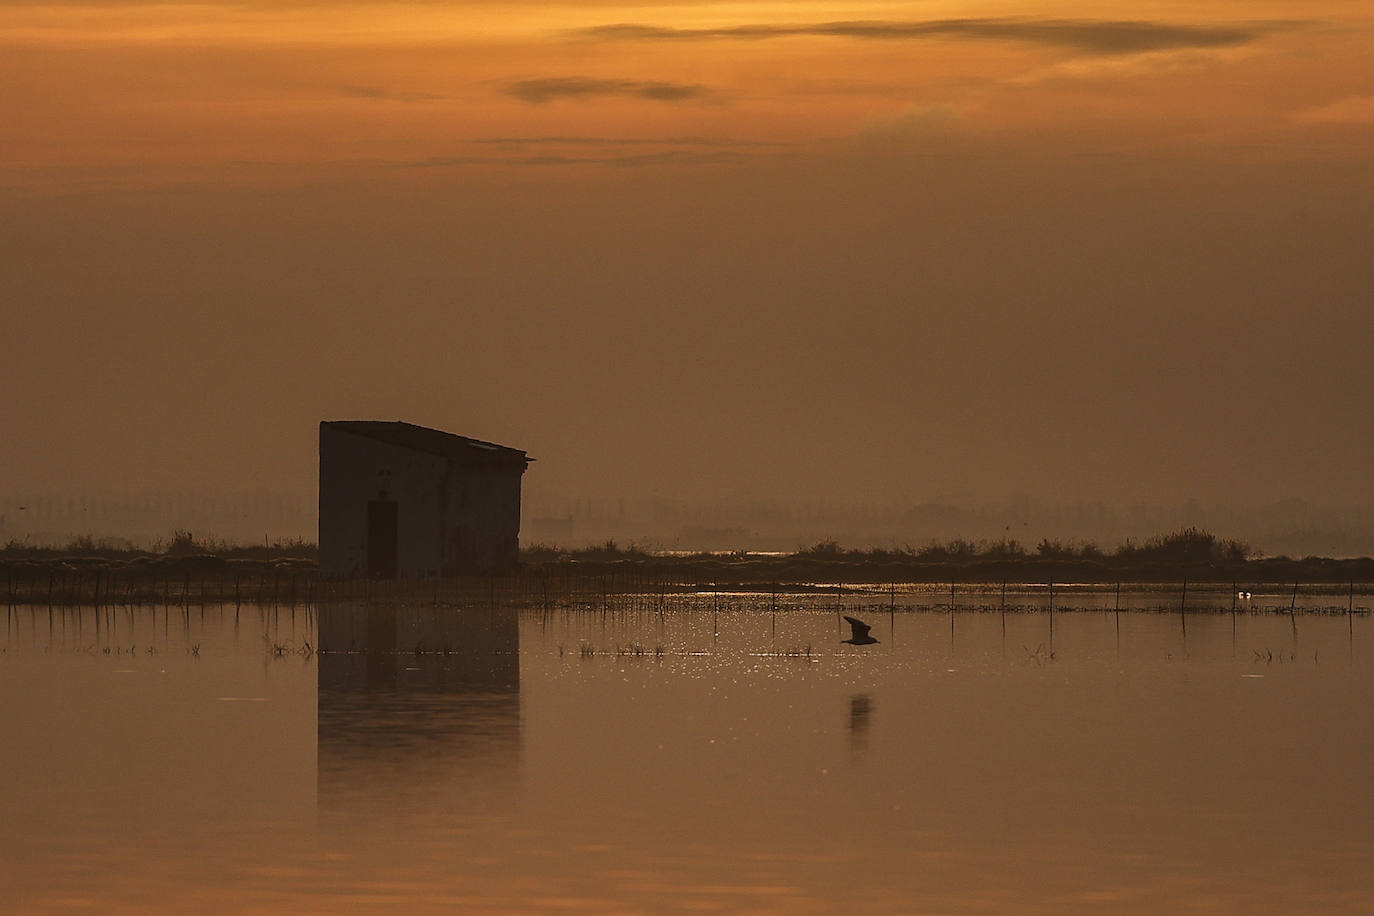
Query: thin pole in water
[
  {"x": 1182, "y": 609},
  {"x": 951, "y": 614},
  {"x": 1234, "y": 595},
  {"x": 891, "y": 611},
  {"x": 773, "y": 614},
  {"x": 1051, "y": 615},
  {"x": 1293, "y": 613},
  {"x": 892, "y": 598},
  {"x": 1004, "y": 613},
  {"x": 1116, "y": 614}
]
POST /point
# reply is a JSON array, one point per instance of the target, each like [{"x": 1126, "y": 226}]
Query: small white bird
[{"x": 860, "y": 637}]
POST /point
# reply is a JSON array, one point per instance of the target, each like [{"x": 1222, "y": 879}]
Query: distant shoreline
[{"x": 1193, "y": 557}]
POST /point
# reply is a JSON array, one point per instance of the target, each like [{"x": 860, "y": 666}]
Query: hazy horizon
[{"x": 150, "y": 517}]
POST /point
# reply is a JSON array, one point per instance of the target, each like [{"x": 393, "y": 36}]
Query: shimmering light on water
[{"x": 715, "y": 755}]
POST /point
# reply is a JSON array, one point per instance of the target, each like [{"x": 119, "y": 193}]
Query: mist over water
[{"x": 651, "y": 752}]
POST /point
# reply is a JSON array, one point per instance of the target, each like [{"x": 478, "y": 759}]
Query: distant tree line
[
  {"x": 1190, "y": 553},
  {"x": 1191, "y": 545}
]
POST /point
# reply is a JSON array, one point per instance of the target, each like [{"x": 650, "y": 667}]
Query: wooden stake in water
[
  {"x": 1051, "y": 615},
  {"x": 1004, "y": 613},
  {"x": 891, "y": 611},
  {"x": 1234, "y": 595},
  {"x": 1182, "y": 609},
  {"x": 773, "y": 613},
  {"x": 1293, "y": 613},
  {"x": 1116, "y": 614},
  {"x": 951, "y": 613}
]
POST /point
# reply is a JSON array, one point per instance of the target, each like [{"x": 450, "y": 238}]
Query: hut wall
[
  {"x": 355, "y": 470},
  {"x": 481, "y": 519}
]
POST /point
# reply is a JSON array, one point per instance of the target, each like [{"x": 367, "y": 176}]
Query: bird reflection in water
[
  {"x": 418, "y": 709},
  {"x": 860, "y": 714}
]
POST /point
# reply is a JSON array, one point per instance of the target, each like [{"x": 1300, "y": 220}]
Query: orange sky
[
  {"x": 128, "y": 88},
  {"x": 861, "y": 250}
]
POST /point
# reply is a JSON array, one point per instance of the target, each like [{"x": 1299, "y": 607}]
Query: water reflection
[
  {"x": 718, "y": 756},
  {"x": 860, "y": 711},
  {"x": 419, "y": 710}
]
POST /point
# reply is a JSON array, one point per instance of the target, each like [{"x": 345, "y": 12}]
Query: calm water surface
[{"x": 704, "y": 755}]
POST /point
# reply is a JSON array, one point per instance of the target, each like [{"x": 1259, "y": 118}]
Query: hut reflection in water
[{"x": 419, "y": 710}]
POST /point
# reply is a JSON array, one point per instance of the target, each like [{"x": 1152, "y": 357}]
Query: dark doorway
[{"x": 381, "y": 539}]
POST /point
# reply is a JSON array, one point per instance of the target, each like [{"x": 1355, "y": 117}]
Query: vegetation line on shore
[{"x": 86, "y": 570}]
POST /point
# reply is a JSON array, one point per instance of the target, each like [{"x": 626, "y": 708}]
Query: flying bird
[{"x": 860, "y": 637}]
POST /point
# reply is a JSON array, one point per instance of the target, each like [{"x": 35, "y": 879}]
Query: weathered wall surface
[
  {"x": 355, "y": 469},
  {"x": 481, "y": 519}
]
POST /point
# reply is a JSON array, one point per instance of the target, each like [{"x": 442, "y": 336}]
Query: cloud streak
[
  {"x": 615, "y": 152},
  {"x": 629, "y": 160},
  {"x": 708, "y": 142},
  {"x": 1091, "y": 36},
  {"x": 1356, "y": 109},
  {"x": 540, "y": 91},
  {"x": 380, "y": 94}
]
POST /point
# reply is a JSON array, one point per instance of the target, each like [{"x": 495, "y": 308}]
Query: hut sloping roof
[{"x": 433, "y": 441}]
